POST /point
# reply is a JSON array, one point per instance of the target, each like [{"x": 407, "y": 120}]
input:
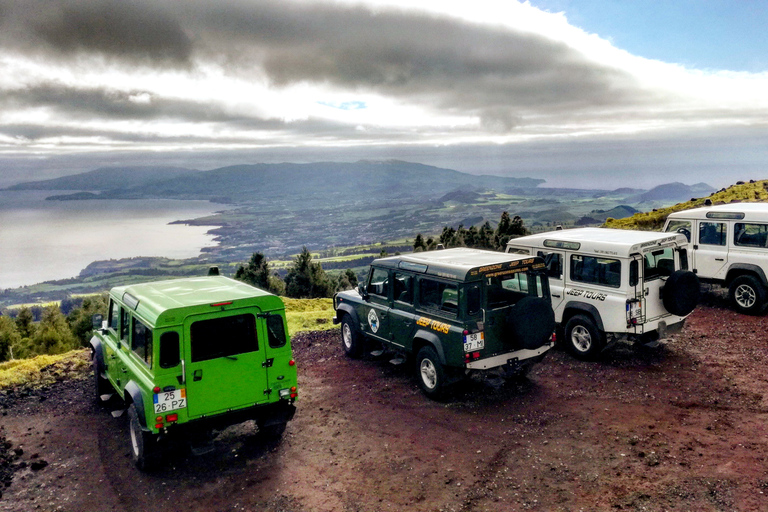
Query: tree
[
  {"x": 419, "y": 244},
  {"x": 256, "y": 273},
  {"x": 80, "y": 319},
  {"x": 306, "y": 279},
  {"x": 25, "y": 322},
  {"x": 347, "y": 280},
  {"x": 9, "y": 338},
  {"x": 53, "y": 335},
  {"x": 507, "y": 229}
]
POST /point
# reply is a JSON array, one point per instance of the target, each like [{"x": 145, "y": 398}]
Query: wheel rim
[
  {"x": 745, "y": 296},
  {"x": 581, "y": 338},
  {"x": 428, "y": 373},
  {"x": 346, "y": 336}
]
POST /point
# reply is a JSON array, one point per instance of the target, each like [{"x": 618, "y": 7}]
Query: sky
[{"x": 582, "y": 93}]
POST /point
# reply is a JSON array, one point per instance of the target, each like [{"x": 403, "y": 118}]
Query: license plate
[
  {"x": 474, "y": 341},
  {"x": 170, "y": 400}
]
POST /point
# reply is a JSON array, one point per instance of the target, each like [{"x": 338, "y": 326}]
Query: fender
[
  {"x": 133, "y": 390},
  {"x": 431, "y": 339},
  {"x": 348, "y": 309},
  {"x": 98, "y": 355},
  {"x": 755, "y": 269},
  {"x": 587, "y": 308}
]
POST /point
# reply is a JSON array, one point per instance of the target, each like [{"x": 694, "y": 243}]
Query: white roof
[
  {"x": 617, "y": 242},
  {"x": 751, "y": 211}
]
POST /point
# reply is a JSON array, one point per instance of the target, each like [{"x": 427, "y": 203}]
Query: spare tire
[
  {"x": 681, "y": 292},
  {"x": 531, "y": 321}
]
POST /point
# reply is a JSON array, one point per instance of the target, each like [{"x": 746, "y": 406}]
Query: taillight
[
  {"x": 291, "y": 363},
  {"x": 172, "y": 417}
]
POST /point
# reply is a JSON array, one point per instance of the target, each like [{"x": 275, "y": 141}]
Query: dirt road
[{"x": 680, "y": 427}]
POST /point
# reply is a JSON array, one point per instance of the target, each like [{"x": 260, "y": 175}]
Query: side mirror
[
  {"x": 98, "y": 321},
  {"x": 362, "y": 291}
]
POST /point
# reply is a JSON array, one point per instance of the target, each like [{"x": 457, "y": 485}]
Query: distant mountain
[
  {"x": 618, "y": 212},
  {"x": 461, "y": 196},
  {"x": 672, "y": 192},
  {"x": 323, "y": 181},
  {"x": 108, "y": 178}
]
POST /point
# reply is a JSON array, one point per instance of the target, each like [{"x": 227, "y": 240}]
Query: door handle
[
  {"x": 197, "y": 375},
  {"x": 719, "y": 259},
  {"x": 556, "y": 296}
]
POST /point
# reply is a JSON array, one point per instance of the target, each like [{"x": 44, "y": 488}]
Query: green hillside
[{"x": 754, "y": 191}]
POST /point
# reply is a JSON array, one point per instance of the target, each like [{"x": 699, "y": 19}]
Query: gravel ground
[{"x": 679, "y": 427}]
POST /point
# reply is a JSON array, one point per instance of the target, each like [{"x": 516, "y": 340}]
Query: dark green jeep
[
  {"x": 190, "y": 355},
  {"x": 458, "y": 311}
]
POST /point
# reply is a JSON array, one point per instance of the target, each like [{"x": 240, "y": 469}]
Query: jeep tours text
[
  {"x": 729, "y": 247},
  {"x": 614, "y": 283},
  {"x": 190, "y": 355},
  {"x": 458, "y": 311}
]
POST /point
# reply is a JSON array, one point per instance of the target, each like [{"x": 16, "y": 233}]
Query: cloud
[{"x": 236, "y": 72}]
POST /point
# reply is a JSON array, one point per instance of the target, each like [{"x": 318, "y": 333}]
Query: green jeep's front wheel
[
  {"x": 144, "y": 450},
  {"x": 351, "y": 339},
  {"x": 430, "y": 373}
]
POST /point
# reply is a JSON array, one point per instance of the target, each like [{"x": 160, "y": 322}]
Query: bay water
[{"x": 44, "y": 240}]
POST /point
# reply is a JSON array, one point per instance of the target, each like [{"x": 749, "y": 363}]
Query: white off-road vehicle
[
  {"x": 612, "y": 284},
  {"x": 729, "y": 247}
]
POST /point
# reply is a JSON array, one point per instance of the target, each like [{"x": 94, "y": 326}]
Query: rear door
[
  {"x": 658, "y": 264},
  {"x": 225, "y": 360}
]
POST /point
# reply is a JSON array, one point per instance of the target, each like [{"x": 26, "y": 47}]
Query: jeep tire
[
  {"x": 681, "y": 292},
  {"x": 430, "y": 372},
  {"x": 144, "y": 450},
  {"x": 101, "y": 385},
  {"x": 582, "y": 337},
  {"x": 532, "y": 322},
  {"x": 351, "y": 339},
  {"x": 747, "y": 295}
]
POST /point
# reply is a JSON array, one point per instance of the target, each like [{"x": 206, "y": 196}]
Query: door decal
[{"x": 373, "y": 320}]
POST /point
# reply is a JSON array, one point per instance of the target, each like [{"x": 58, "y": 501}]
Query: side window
[
  {"x": 141, "y": 342},
  {"x": 125, "y": 320},
  {"x": 474, "y": 298},
  {"x": 554, "y": 263},
  {"x": 379, "y": 282},
  {"x": 750, "y": 235},
  {"x": 438, "y": 295},
  {"x": 712, "y": 233},
  {"x": 659, "y": 263},
  {"x": 517, "y": 250},
  {"x": 594, "y": 270},
  {"x": 275, "y": 331},
  {"x": 403, "y": 288},
  {"x": 206, "y": 337},
  {"x": 679, "y": 226},
  {"x": 169, "y": 350},
  {"x": 114, "y": 314}
]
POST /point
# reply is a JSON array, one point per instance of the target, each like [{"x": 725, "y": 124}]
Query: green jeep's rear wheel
[{"x": 144, "y": 449}]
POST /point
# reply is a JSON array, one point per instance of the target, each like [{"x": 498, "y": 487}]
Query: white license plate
[
  {"x": 474, "y": 341},
  {"x": 170, "y": 400}
]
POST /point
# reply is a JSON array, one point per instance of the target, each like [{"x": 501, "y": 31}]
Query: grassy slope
[{"x": 654, "y": 220}]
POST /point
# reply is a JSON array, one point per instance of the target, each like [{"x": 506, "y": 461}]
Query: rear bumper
[
  {"x": 266, "y": 414},
  {"x": 509, "y": 358}
]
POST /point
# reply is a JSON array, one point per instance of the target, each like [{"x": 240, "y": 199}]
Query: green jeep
[
  {"x": 191, "y": 355},
  {"x": 458, "y": 311}
]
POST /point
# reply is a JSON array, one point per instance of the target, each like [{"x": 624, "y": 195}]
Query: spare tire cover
[
  {"x": 531, "y": 322},
  {"x": 681, "y": 292}
]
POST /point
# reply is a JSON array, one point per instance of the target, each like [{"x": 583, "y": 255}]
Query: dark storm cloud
[{"x": 455, "y": 66}]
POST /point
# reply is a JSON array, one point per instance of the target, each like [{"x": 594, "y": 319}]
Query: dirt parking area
[{"x": 680, "y": 427}]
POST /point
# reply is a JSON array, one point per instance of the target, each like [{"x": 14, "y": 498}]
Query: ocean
[{"x": 45, "y": 240}]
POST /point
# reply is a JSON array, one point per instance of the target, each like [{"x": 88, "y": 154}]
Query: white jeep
[
  {"x": 729, "y": 247},
  {"x": 611, "y": 284}
]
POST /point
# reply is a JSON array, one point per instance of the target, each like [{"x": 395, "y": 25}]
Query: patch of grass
[
  {"x": 44, "y": 370},
  {"x": 308, "y": 314}
]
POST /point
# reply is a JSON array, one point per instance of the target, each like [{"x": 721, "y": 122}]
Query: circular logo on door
[{"x": 373, "y": 320}]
